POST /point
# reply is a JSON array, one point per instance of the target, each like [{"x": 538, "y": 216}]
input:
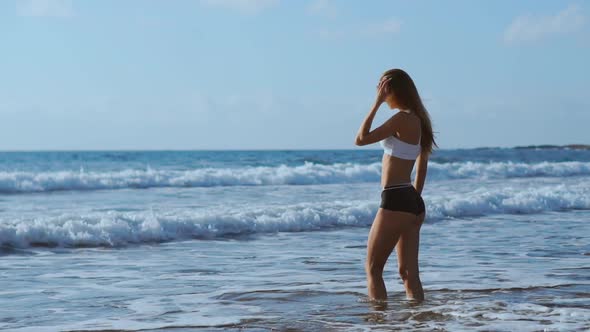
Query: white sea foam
[
  {"x": 308, "y": 173},
  {"x": 115, "y": 228},
  {"x": 508, "y": 169},
  {"x": 118, "y": 228}
]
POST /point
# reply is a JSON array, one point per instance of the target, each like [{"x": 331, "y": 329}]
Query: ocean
[{"x": 276, "y": 240}]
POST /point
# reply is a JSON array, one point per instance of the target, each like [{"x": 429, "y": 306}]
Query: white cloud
[
  {"x": 530, "y": 28},
  {"x": 322, "y": 8},
  {"x": 243, "y": 6},
  {"x": 45, "y": 8},
  {"x": 328, "y": 33},
  {"x": 390, "y": 26}
]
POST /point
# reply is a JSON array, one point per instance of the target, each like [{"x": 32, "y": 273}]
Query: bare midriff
[{"x": 395, "y": 170}]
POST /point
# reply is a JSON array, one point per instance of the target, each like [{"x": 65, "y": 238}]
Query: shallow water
[
  {"x": 505, "y": 246},
  {"x": 504, "y": 272}
]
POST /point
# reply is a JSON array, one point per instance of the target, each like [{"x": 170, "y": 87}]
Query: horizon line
[{"x": 579, "y": 146}]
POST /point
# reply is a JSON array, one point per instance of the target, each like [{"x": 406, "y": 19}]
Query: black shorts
[{"x": 403, "y": 197}]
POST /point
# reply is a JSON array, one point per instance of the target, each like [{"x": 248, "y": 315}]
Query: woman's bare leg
[
  {"x": 384, "y": 234},
  {"x": 407, "y": 259}
]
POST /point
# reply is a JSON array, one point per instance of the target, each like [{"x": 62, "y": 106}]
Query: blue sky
[{"x": 278, "y": 74}]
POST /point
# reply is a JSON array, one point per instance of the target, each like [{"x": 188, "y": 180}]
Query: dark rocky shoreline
[{"x": 558, "y": 147}]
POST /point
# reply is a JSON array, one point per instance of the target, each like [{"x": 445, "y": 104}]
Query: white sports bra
[{"x": 393, "y": 146}]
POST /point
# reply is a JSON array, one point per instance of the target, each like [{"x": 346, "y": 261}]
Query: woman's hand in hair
[{"x": 382, "y": 90}]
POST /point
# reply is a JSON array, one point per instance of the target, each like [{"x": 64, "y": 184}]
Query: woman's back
[{"x": 399, "y": 148}]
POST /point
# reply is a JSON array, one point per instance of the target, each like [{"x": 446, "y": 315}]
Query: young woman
[{"x": 406, "y": 137}]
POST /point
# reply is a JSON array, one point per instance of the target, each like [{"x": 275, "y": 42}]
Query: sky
[{"x": 286, "y": 74}]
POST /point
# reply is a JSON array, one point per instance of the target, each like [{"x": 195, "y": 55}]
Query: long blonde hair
[{"x": 404, "y": 90}]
